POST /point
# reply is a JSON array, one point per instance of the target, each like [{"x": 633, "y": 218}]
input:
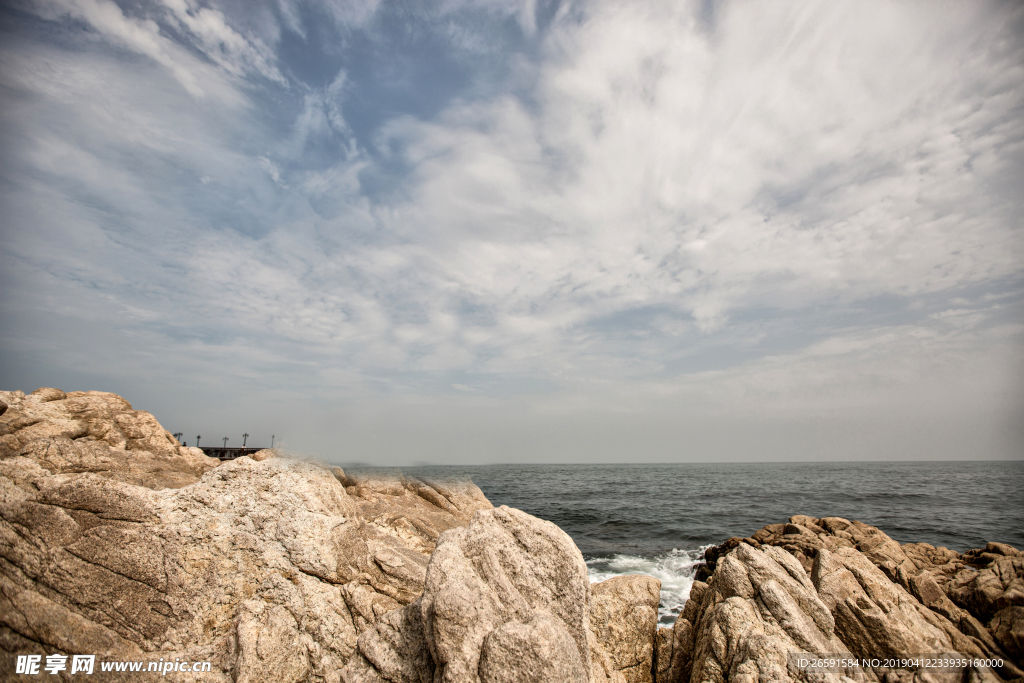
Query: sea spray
[{"x": 675, "y": 569}]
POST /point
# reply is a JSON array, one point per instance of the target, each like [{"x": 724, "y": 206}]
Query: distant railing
[{"x": 228, "y": 453}]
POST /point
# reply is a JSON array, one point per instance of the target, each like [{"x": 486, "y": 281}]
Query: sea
[{"x": 657, "y": 519}]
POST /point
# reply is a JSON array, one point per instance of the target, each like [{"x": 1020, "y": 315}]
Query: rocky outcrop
[
  {"x": 979, "y": 582},
  {"x": 846, "y": 587},
  {"x": 759, "y": 608},
  {"x": 624, "y": 618},
  {"x": 116, "y": 540},
  {"x": 269, "y": 567},
  {"x": 506, "y": 599},
  {"x": 525, "y": 585},
  {"x": 98, "y": 432}
]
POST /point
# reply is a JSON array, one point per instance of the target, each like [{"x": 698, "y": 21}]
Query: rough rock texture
[
  {"x": 883, "y": 599},
  {"x": 394, "y": 650},
  {"x": 674, "y": 646},
  {"x": 1008, "y": 628},
  {"x": 270, "y": 568},
  {"x": 509, "y": 585},
  {"x": 623, "y": 618},
  {"x": 94, "y": 431},
  {"x": 982, "y": 581},
  {"x": 760, "y": 607},
  {"x": 507, "y": 600}
]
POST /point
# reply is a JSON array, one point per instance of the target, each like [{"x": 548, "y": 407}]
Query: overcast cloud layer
[{"x": 482, "y": 231}]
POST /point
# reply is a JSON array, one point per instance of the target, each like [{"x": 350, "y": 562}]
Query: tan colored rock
[
  {"x": 1008, "y": 629},
  {"x": 270, "y": 645},
  {"x": 506, "y": 600},
  {"x": 602, "y": 666},
  {"x": 991, "y": 588},
  {"x": 91, "y": 432},
  {"x": 875, "y": 616},
  {"x": 759, "y": 608},
  {"x": 1004, "y": 549},
  {"x": 268, "y": 568},
  {"x": 394, "y": 650},
  {"x": 941, "y": 598},
  {"x": 541, "y": 649},
  {"x": 45, "y": 394},
  {"x": 664, "y": 646},
  {"x": 624, "y": 619},
  {"x": 514, "y": 576},
  {"x": 804, "y": 535},
  {"x": 927, "y": 591}
]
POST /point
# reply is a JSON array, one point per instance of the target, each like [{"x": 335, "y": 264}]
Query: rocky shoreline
[{"x": 117, "y": 541}]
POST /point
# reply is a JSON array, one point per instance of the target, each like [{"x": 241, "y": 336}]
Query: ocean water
[{"x": 657, "y": 519}]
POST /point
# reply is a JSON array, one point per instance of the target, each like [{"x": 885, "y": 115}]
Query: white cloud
[
  {"x": 670, "y": 216},
  {"x": 778, "y": 161},
  {"x": 138, "y": 35},
  {"x": 226, "y": 47},
  {"x": 235, "y": 54}
]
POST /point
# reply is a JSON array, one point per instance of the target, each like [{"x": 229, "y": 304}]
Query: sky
[{"x": 476, "y": 231}]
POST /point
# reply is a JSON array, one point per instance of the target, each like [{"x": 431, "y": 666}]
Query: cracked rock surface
[
  {"x": 624, "y": 618},
  {"x": 507, "y": 600},
  {"x": 834, "y": 587},
  {"x": 114, "y": 540}
]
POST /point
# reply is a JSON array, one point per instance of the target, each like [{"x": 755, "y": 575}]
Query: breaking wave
[{"x": 675, "y": 569}]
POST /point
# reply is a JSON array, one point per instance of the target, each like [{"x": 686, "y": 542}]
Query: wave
[{"x": 675, "y": 569}]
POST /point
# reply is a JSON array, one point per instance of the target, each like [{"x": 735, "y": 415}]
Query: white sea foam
[{"x": 675, "y": 569}]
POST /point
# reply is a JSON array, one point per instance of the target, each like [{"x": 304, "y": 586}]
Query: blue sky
[{"x": 480, "y": 231}]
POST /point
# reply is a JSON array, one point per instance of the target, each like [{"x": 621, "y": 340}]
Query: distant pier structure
[{"x": 224, "y": 453}]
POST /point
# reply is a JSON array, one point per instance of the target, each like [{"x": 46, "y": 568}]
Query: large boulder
[
  {"x": 759, "y": 608},
  {"x": 885, "y": 599},
  {"x": 507, "y": 600},
  {"x": 506, "y": 587},
  {"x": 269, "y": 568}
]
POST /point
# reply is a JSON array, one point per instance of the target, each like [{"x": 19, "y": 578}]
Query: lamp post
[
  {"x": 225, "y": 442},
  {"x": 197, "y": 441},
  {"x": 178, "y": 435},
  {"x": 244, "y": 437},
  {"x": 271, "y": 441}
]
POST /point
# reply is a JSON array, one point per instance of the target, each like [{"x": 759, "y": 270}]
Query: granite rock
[
  {"x": 624, "y": 620},
  {"x": 759, "y": 607},
  {"x": 269, "y": 568},
  {"x": 1008, "y": 628},
  {"x": 506, "y": 600},
  {"x": 514, "y": 576},
  {"x": 98, "y": 432},
  {"x": 888, "y": 599}
]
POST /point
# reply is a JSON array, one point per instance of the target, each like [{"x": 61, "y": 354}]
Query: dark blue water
[
  {"x": 654, "y": 519},
  {"x": 648, "y": 510}
]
